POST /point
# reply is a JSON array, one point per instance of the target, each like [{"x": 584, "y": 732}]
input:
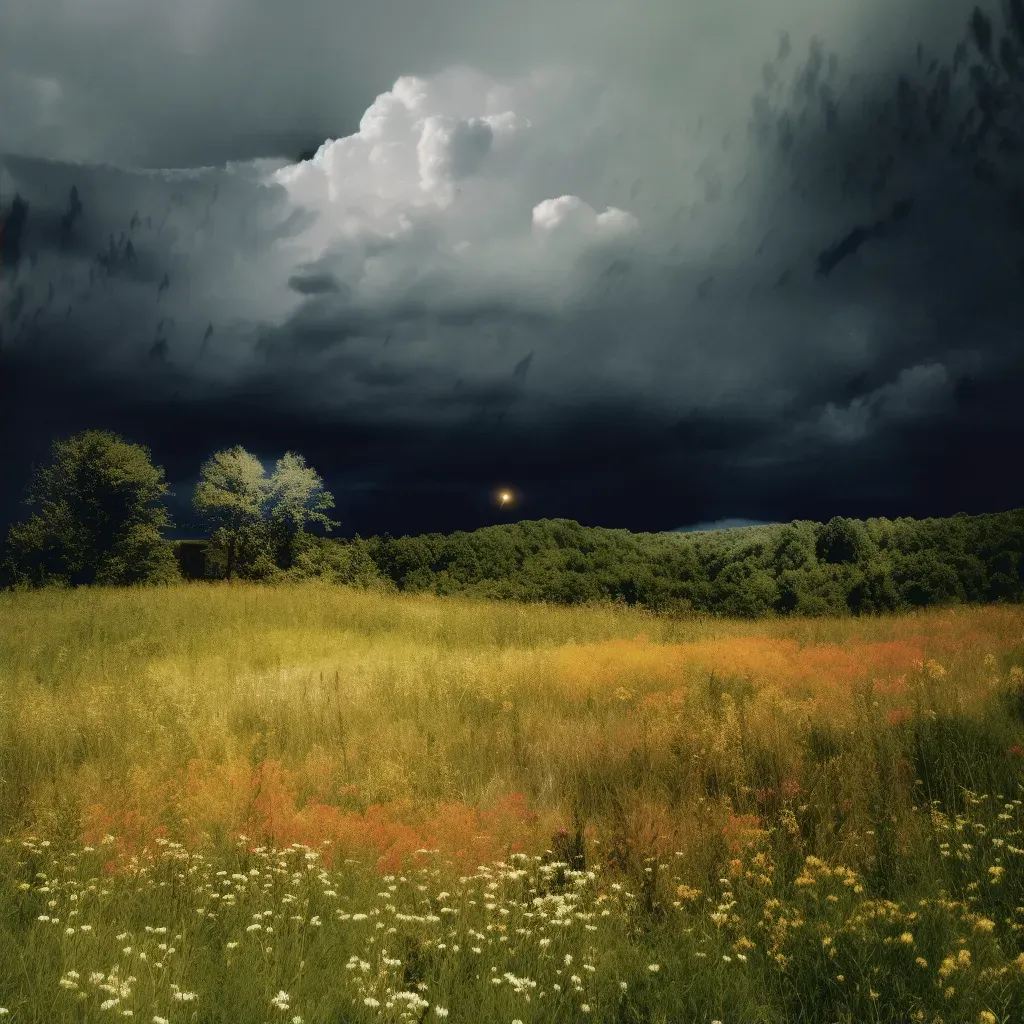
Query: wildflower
[
  {"x": 280, "y": 1001},
  {"x": 921, "y": 962},
  {"x": 161, "y": 1020},
  {"x": 585, "y": 1008},
  {"x": 440, "y": 1011},
  {"x": 109, "y": 1004},
  {"x": 984, "y": 924},
  {"x": 986, "y": 1017},
  {"x": 907, "y": 939},
  {"x": 623, "y": 986},
  {"x": 296, "y": 1019},
  {"x": 654, "y": 968}
]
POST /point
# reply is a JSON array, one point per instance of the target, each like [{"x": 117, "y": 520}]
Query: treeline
[
  {"x": 99, "y": 518},
  {"x": 840, "y": 567}
]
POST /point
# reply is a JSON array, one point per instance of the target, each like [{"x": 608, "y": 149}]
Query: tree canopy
[
  {"x": 257, "y": 521},
  {"x": 98, "y": 513}
]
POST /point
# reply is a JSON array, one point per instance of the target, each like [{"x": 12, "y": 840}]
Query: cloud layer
[{"x": 751, "y": 283}]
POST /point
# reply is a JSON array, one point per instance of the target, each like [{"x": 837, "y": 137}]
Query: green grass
[{"x": 750, "y": 822}]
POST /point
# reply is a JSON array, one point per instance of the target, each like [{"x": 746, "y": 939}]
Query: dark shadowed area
[{"x": 652, "y": 265}]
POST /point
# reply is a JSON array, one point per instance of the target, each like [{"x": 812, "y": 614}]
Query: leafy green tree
[
  {"x": 336, "y": 561},
  {"x": 296, "y": 499},
  {"x": 98, "y": 515},
  {"x": 232, "y": 497},
  {"x": 795, "y": 548},
  {"x": 873, "y": 591},
  {"x": 924, "y": 579},
  {"x": 843, "y": 540},
  {"x": 257, "y": 521},
  {"x": 814, "y": 591}
]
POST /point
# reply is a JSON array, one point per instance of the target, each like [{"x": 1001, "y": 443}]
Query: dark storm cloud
[
  {"x": 810, "y": 305},
  {"x": 201, "y": 81}
]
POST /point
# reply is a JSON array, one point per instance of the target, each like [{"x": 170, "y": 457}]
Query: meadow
[{"x": 318, "y": 804}]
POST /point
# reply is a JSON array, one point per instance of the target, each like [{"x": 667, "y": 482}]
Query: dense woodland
[
  {"x": 98, "y": 516},
  {"x": 845, "y": 565}
]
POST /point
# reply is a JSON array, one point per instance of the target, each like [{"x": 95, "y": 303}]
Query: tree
[
  {"x": 795, "y": 548},
  {"x": 843, "y": 540},
  {"x": 257, "y": 521},
  {"x": 296, "y": 499},
  {"x": 98, "y": 517},
  {"x": 232, "y": 496}
]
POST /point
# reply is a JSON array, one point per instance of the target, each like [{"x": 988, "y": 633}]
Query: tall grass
[{"x": 781, "y": 805}]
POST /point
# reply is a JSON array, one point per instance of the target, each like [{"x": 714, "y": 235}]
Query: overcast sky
[{"x": 648, "y": 264}]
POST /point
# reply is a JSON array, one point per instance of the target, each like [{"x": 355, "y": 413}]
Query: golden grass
[
  {"x": 764, "y": 764},
  {"x": 306, "y": 712}
]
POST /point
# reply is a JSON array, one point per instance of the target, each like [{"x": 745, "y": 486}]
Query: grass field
[{"x": 235, "y": 803}]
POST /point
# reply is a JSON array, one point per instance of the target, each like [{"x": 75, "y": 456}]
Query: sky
[{"x": 647, "y": 266}]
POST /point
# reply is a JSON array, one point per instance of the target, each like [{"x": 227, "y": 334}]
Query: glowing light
[{"x": 505, "y": 497}]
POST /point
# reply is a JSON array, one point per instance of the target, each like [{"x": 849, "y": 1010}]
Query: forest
[
  {"x": 99, "y": 516},
  {"x": 805, "y": 568}
]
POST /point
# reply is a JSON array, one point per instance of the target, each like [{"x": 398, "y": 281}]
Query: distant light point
[{"x": 505, "y": 497}]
